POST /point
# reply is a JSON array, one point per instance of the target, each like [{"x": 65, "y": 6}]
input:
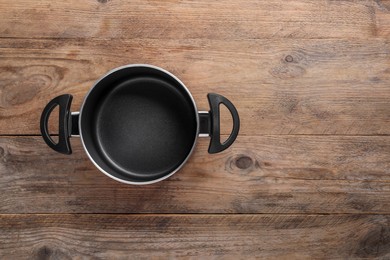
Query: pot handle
[
  {"x": 214, "y": 123},
  {"x": 64, "y": 132}
]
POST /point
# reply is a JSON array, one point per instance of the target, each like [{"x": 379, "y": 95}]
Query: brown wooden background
[{"x": 308, "y": 177}]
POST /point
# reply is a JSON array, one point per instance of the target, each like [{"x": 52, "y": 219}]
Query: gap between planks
[
  {"x": 197, "y": 214},
  {"x": 224, "y": 135}
]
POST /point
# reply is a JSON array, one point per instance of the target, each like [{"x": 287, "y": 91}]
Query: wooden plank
[
  {"x": 292, "y": 86},
  {"x": 382, "y": 16},
  {"x": 264, "y": 174},
  {"x": 199, "y": 236},
  {"x": 191, "y": 19}
]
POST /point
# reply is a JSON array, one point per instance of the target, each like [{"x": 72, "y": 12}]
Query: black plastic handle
[
  {"x": 215, "y": 143},
  {"x": 63, "y": 145}
]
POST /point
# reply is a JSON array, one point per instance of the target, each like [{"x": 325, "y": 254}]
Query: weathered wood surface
[
  {"x": 264, "y": 174},
  {"x": 195, "y": 19},
  {"x": 311, "y": 80},
  {"x": 279, "y": 87},
  {"x": 197, "y": 236}
]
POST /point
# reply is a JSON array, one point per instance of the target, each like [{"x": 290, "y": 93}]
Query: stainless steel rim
[{"x": 196, "y": 116}]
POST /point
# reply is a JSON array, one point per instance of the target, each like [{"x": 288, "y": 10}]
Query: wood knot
[
  {"x": 289, "y": 58},
  {"x": 244, "y": 162},
  {"x": 2, "y": 152},
  {"x": 102, "y": 1},
  {"x": 44, "y": 253},
  {"x": 292, "y": 65}
]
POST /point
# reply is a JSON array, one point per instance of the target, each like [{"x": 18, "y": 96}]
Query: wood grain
[
  {"x": 292, "y": 86},
  {"x": 194, "y": 236},
  {"x": 265, "y": 174},
  {"x": 193, "y": 19},
  {"x": 308, "y": 177}
]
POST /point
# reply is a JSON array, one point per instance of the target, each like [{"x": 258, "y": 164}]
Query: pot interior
[{"x": 138, "y": 124}]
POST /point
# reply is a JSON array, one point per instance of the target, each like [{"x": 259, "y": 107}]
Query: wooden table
[{"x": 308, "y": 177}]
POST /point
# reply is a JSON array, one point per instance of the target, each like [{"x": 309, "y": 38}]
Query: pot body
[{"x": 138, "y": 124}]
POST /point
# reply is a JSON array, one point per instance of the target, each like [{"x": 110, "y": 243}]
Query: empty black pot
[{"x": 138, "y": 124}]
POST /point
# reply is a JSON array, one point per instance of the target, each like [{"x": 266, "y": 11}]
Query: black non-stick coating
[{"x": 138, "y": 124}]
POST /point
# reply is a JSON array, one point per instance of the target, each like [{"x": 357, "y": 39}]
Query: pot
[{"x": 138, "y": 124}]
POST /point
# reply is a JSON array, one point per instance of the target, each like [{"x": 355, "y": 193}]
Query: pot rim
[{"x": 196, "y": 116}]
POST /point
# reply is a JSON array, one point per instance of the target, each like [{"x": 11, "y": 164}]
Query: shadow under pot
[{"x": 138, "y": 124}]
